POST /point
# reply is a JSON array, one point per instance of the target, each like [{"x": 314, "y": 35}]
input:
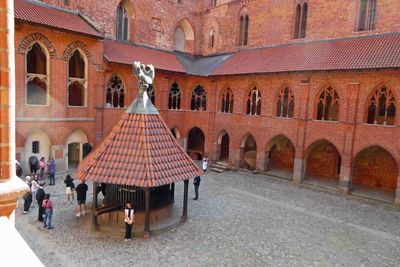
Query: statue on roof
[{"x": 145, "y": 75}]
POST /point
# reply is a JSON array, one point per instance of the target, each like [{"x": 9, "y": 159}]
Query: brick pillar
[
  {"x": 347, "y": 154},
  {"x": 302, "y": 114},
  {"x": 10, "y": 186},
  {"x": 260, "y": 163}
]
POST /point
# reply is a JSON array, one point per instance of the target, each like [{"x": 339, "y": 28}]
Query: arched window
[
  {"x": 115, "y": 95},
  {"x": 227, "y": 101},
  {"x": 254, "y": 102},
  {"x": 36, "y": 75},
  {"x": 300, "y": 25},
  {"x": 76, "y": 80},
  {"x": 151, "y": 92},
  {"x": 174, "y": 98},
  {"x": 382, "y": 107},
  {"x": 213, "y": 2},
  {"x": 243, "y": 30},
  {"x": 328, "y": 105},
  {"x": 366, "y": 15},
  {"x": 199, "y": 99},
  {"x": 122, "y": 23},
  {"x": 212, "y": 39},
  {"x": 285, "y": 104}
]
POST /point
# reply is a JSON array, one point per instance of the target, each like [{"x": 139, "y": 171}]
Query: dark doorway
[
  {"x": 73, "y": 155},
  {"x": 225, "y": 147},
  {"x": 86, "y": 149},
  {"x": 195, "y": 147}
]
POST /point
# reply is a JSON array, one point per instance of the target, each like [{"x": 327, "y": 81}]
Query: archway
[
  {"x": 248, "y": 153},
  {"x": 223, "y": 146},
  {"x": 74, "y": 147},
  {"x": 184, "y": 37},
  {"x": 37, "y": 144},
  {"x": 280, "y": 157},
  {"x": 375, "y": 172},
  {"x": 322, "y": 164},
  {"x": 196, "y": 141}
]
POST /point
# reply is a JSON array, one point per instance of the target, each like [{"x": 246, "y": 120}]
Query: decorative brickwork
[{"x": 29, "y": 40}]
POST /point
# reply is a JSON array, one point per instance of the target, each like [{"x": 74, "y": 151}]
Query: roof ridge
[{"x": 43, "y": 4}]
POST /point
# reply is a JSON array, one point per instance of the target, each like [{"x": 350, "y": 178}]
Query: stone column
[
  {"x": 260, "y": 163},
  {"x": 11, "y": 186},
  {"x": 146, "y": 233},
  {"x": 185, "y": 200}
]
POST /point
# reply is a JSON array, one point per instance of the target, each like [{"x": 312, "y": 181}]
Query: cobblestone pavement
[{"x": 241, "y": 219}]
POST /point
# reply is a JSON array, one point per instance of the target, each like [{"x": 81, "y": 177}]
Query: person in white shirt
[
  {"x": 129, "y": 220},
  {"x": 205, "y": 164},
  {"x": 34, "y": 188}
]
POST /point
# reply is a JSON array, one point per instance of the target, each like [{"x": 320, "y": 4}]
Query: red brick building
[{"x": 302, "y": 89}]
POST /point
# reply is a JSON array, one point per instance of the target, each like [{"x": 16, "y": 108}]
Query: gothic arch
[
  {"x": 36, "y": 37},
  {"x": 391, "y": 98},
  {"x": 77, "y": 45},
  {"x": 280, "y": 153},
  {"x": 184, "y": 36}
]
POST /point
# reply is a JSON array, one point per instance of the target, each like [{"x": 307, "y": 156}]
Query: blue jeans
[
  {"x": 47, "y": 217},
  {"x": 51, "y": 176}
]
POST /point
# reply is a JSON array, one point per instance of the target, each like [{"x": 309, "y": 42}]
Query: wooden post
[
  {"x": 94, "y": 207},
  {"x": 185, "y": 200},
  {"x": 147, "y": 213}
]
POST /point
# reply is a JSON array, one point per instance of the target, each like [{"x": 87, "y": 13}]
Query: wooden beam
[
  {"x": 147, "y": 213},
  {"x": 185, "y": 199}
]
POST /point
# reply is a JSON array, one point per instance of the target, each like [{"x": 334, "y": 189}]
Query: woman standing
[
  {"x": 129, "y": 220},
  {"x": 51, "y": 167},
  {"x": 48, "y": 206},
  {"x": 34, "y": 188},
  {"x": 42, "y": 167},
  {"x": 69, "y": 187}
]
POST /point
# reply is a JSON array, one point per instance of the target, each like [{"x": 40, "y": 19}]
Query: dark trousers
[
  {"x": 41, "y": 212},
  {"x": 27, "y": 202},
  {"x": 196, "y": 191},
  {"x": 32, "y": 168},
  {"x": 128, "y": 230}
]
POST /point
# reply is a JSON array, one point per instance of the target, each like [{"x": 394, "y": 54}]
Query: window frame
[
  {"x": 124, "y": 14},
  {"x": 44, "y": 78},
  {"x": 82, "y": 81},
  {"x": 368, "y": 23},
  {"x": 112, "y": 92},
  {"x": 178, "y": 95}
]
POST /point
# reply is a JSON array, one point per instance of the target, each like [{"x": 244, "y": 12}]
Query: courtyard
[{"x": 240, "y": 219}]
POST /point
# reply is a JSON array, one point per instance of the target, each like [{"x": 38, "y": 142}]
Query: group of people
[
  {"x": 38, "y": 196},
  {"x": 36, "y": 166}
]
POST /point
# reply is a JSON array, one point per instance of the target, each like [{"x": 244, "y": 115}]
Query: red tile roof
[
  {"x": 46, "y": 15},
  {"x": 124, "y": 53},
  {"x": 374, "y": 51},
  {"x": 140, "y": 150}
]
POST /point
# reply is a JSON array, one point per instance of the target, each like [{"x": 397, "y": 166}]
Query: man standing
[
  {"x": 81, "y": 190},
  {"x": 40, "y": 196},
  {"x": 51, "y": 167},
  {"x": 205, "y": 165},
  {"x": 196, "y": 183},
  {"x": 33, "y": 164}
]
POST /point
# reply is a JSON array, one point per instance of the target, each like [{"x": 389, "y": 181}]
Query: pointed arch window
[
  {"x": 37, "y": 80},
  {"x": 77, "y": 81},
  {"x": 285, "y": 104},
  {"x": 254, "y": 102},
  {"x": 227, "y": 101},
  {"x": 151, "y": 92},
  {"x": 328, "y": 105},
  {"x": 243, "y": 30},
  {"x": 212, "y": 39},
  {"x": 382, "y": 107},
  {"x": 199, "y": 99},
  {"x": 122, "y": 23},
  {"x": 174, "y": 98},
  {"x": 366, "y": 15},
  {"x": 115, "y": 94},
  {"x": 300, "y": 25}
]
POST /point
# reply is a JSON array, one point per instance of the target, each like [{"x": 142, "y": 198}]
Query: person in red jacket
[{"x": 48, "y": 206}]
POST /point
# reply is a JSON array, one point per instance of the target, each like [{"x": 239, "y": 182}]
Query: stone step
[{"x": 218, "y": 170}]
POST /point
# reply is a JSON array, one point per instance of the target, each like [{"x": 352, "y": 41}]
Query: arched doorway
[
  {"x": 184, "y": 37},
  {"x": 37, "y": 144},
  {"x": 196, "y": 141},
  {"x": 322, "y": 164},
  {"x": 248, "y": 153},
  {"x": 280, "y": 157},
  {"x": 375, "y": 172},
  {"x": 74, "y": 147},
  {"x": 222, "y": 150}
]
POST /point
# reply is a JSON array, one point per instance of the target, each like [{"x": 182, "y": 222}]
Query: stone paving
[{"x": 241, "y": 219}]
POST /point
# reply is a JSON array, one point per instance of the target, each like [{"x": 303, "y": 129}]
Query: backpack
[{"x": 44, "y": 203}]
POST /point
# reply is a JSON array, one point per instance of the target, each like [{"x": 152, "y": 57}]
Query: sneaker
[
  {"x": 126, "y": 239},
  {"x": 44, "y": 226},
  {"x": 50, "y": 227},
  {"x": 25, "y": 212},
  {"x": 83, "y": 212},
  {"x": 78, "y": 214}
]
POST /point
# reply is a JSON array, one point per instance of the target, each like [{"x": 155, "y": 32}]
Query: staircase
[{"x": 220, "y": 166}]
